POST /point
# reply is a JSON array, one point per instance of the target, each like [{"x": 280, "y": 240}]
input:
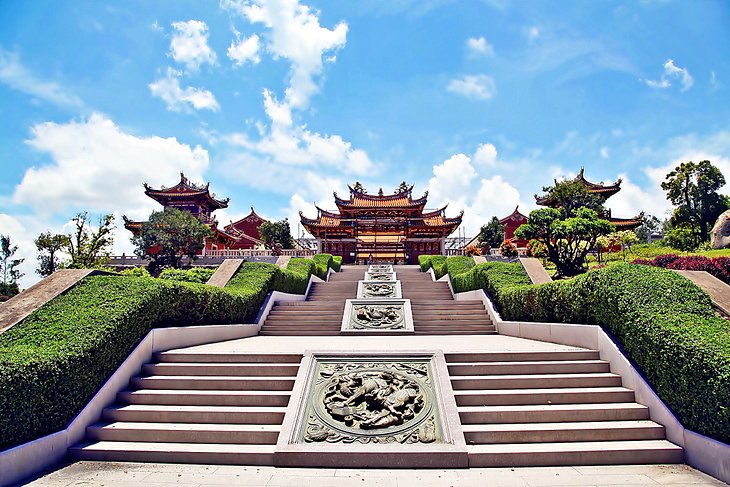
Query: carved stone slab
[
  {"x": 378, "y": 289},
  {"x": 375, "y": 409},
  {"x": 377, "y": 316},
  {"x": 380, "y": 268},
  {"x": 380, "y": 276}
]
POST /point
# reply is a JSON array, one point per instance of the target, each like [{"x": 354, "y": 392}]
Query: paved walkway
[{"x": 151, "y": 474}]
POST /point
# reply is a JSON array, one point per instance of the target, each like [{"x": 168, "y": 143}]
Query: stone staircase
[
  {"x": 435, "y": 312},
  {"x": 197, "y": 408},
  {"x": 551, "y": 408}
]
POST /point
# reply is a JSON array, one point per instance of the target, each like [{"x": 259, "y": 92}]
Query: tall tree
[
  {"x": 692, "y": 189},
  {"x": 49, "y": 245},
  {"x": 492, "y": 233},
  {"x": 277, "y": 234},
  {"x": 570, "y": 195},
  {"x": 9, "y": 267},
  {"x": 169, "y": 235},
  {"x": 87, "y": 247},
  {"x": 649, "y": 225}
]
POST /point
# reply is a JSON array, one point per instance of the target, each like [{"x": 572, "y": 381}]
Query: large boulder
[{"x": 720, "y": 236}]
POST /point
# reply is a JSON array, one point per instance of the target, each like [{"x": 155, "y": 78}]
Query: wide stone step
[
  {"x": 485, "y": 331},
  {"x": 149, "y": 413},
  {"x": 543, "y": 381},
  {"x": 454, "y": 322},
  {"x": 445, "y": 313},
  {"x": 578, "y": 395},
  {"x": 203, "y": 453},
  {"x": 294, "y": 332},
  {"x": 562, "y": 432},
  {"x": 204, "y": 397},
  {"x": 536, "y": 367},
  {"x": 303, "y": 319},
  {"x": 227, "y": 383},
  {"x": 575, "y": 453},
  {"x": 554, "y": 413},
  {"x": 186, "y": 357},
  {"x": 522, "y": 356},
  {"x": 240, "y": 369},
  {"x": 258, "y": 434}
]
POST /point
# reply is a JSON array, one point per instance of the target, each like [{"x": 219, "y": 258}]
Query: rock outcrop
[{"x": 720, "y": 235}]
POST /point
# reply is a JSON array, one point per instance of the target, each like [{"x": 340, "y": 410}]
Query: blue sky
[{"x": 277, "y": 102}]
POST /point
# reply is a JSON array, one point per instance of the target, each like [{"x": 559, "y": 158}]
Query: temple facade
[
  {"x": 604, "y": 192},
  {"x": 381, "y": 228},
  {"x": 201, "y": 203},
  {"x": 511, "y": 223}
]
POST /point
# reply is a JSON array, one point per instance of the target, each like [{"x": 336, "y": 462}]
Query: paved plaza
[{"x": 156, "y": 474}]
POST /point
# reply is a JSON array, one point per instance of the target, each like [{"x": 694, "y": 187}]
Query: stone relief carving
[
  {"x": 372, "y": 403},
  {"x": 377, "y": 316},
  {"x": 374, "y": 276},
  {"x": 379, "y": 290}
]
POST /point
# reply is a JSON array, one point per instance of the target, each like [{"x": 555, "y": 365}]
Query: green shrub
[
  {"x": 458, "y": 264},
  {"x": 336, "y": 263},
  {"x": 428, "y": 261},
  {"x": 252, "y": 282},
  {"x": 295, "y": 278},
  {"x": 136, "y": 272},
  {"x": 664, "y": 323},
  {"x": 491, "y": 276},
  {"x": 194, "y": 274},
  {"x": 323, "y": 262}
]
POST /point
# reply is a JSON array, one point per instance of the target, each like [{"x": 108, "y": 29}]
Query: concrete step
[
  {"x": 532, "y": 367},
  {"x": 221, "y": 383},
  {"x": 149, "y": 413},
  {"x": 456, "y": 332},
  {"x": 449, "y": 323},
  {"x": 575, "y": 453},
  {"x": 543, "y": 381},
  {"x": 304, "y": 320},
  {"x": 237, "y": 369},
  {"x": 522, "y": 356},
  {"x": 257, "y": 434},
  {"x": 265, "y": 332},
  {"x": 562, "y": 432},
  {"x": 554, "y": 413},
  {"x": 203, "y": 453},
  {"x": 240, "y": 358},
  {"x": 578, "y": 395},
  {"x": 178, "y": 397}
]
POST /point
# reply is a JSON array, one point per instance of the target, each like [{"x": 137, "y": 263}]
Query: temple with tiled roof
[
  {"x": 511, "y": 223},
  {"x": 201, "y": 203},
  {"x": 381, "y": 227},
  {"x": 604, "y": 192}
]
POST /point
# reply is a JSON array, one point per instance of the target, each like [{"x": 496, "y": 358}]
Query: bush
[
  {"x": 458, "y": 264},
  {"x": 336, "y": 263},
  {"x": 323, "y": 262},
  {"x": 664, "y": 323},
  {"x": 428, "y": 261},
  {"x": 295, "y": 278},
  {"x": 717, "y": 266},
  {"x": 194, "y": 274},
  {"x": 136, "y": 272}
]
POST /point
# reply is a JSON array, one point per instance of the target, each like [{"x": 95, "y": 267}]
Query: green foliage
[
  {"x": 49, "y": 245},
  {"x": 650, "y": 224},
  {"x": 295, "y": 278},
  {"x": 571, "y": 195},
  {"x": 664, "y": 323},
  {"x": 428, "y": 261},
  {"x": 693, "y": 190},
  {"x": 323, "y": 262},
  {"x": 568, "y": 239},
  {"x": 194, "y": 274},
  {"x": 136, "y": 272},
  {"x": 8, "y": 267},
  {"x": 508, "y": 249},
  {"x": 169, "y": 235},
  {"x": 277, "y": 235},
  {"x": 492, "y": 233},
  {"x": 492, "y": 277},
  {"x": 89, "y": 248},
  {"x": 680, "y": 238},
  {"x": 336, "y": 263},
  {"x": 458, "y": 264}
]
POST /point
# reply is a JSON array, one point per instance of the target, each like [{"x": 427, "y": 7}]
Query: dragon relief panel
[
  {"x": 379, "y": 290},
  {"x": 372, "y": 402},
  {"x": 377, "y": 316}
]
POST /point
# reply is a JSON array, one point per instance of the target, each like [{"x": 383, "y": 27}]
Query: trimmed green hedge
[
  {"x": 323, "y": 262},
  {"x": 195, "y": 274},
  {"x": 295, "y": 278},
  {"x": 493, "y": 277},
  {"x": 336, "y": 263},
  {"x": 437, "y": 262},
  {"x": 458, "y": 264},
  {"x": 664, "y": 323}
]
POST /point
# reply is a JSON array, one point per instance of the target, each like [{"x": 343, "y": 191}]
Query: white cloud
[
  {"x": 486, "y": 155},
  {"x": 533, "y": 33},
  {"x": 451, "y": 179},
  {"x": 19, "y": 78},
  {"x": 478, "y": 87},
  {"x": 246, "y": 49},
  {"x": 22, "y": 236},
  {"x": 479, "y": 46},
  {"x": 714, "y": 82},
  {"x": 604, "y": 152},
  {"x": 189, "y": 44},
  {"x": 96, "y": 167},
  {"x": 180, "y": 99},
  {"x": 295, "y": 35},
  {"x": 671, "y": 71}
]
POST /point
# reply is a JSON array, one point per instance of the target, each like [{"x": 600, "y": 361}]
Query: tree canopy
[
  {"x": 692, "y": 189},
  {"x": 169, "y": 235},
  {"x": 492, "y": 233},
  {"x": 49, "y": 246},
  {"x": 9, "y": 267},
  {"x": 89, "y": 247},
  {"x": 570, "y": 195},
  {"x": 277, "y": 234}
]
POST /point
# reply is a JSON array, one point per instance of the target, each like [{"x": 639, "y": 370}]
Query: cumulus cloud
[
  {"x": 246, "y": 49},
  {"x": 478, "y": 87},
  {"x": 189, "y": 44},
  {"x": 95, "y": 166},
  {"x": 486, "y": 155},
  {"x": 180, "y": 99},
  {"x": 15, "y": 75},
  {"x": 479, "y": 47},
  {"x": 672, "y": 72}
]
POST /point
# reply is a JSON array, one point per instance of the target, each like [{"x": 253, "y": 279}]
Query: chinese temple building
[
  {"x": 511, "y": 223},
  {"x": 201, "y": 203},
  {"x": 388, "y": 228},
  {"x": 605, "y": 192}
]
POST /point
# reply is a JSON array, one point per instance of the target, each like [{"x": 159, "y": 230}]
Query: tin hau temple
[{"x": 381, "y": 228}]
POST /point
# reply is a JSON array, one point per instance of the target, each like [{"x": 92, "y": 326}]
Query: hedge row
[
  {"x": 437, "y": 262},
  {"x": 458, "y": 264},
  {"x": 717, "y": 266},
  {"x": 336, "y": 263},
  {"x": 194, "y": 274},
  {"x": 664, "y": 323},
  {"x": 324, "y": 262}
]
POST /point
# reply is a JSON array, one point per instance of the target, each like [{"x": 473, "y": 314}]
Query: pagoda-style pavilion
[
  {"x": 604, "y": 192},
  {"x": 201, "y": 203},
  {"x": 393, "y": 227},
  {"x": 511, "y": 223}
]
